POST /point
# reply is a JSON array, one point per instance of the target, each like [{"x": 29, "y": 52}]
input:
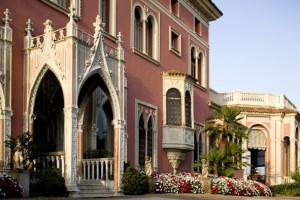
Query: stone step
[{"x": 94, "y": 190}]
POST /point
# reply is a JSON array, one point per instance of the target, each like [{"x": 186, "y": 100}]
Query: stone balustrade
[
  {"x": 252, "y": 99},
  {"x": 96, "y": 169}
]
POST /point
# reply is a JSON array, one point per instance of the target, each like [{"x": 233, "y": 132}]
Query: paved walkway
[{"x": 172, "y": 197}]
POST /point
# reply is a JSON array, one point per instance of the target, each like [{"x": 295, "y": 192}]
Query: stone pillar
[
  {"x": 278, "y": 152},
  {"x": 272, "y": 159},
  {"x": 93, "y": 137},
  {"x": 292, "y": 155},
  {"x": 71, "y": 139},
  {"x": 6, "y": 132},
  {"x": 116, "y": 159},
  {"x": 118, "y": 153},
  {"x": 80, "y": 151}
]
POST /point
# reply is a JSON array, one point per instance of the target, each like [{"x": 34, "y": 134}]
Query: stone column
[
  {"x": 93, "y": 137},
  {"x": 71, "y": 139},
  {"x": 292, "y": 154},
  {"x": 118, "y": 153},
  {"x": 6, "y": 128},
  {"x": 80, "y": 151}
]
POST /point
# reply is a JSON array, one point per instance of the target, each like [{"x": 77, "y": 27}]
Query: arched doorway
[
  {"x": 257, "y": 144},
  {"x": 96, "y": 140},
  {"x": 48, "y": 125}
]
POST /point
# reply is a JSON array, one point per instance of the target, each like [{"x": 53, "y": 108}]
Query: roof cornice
[{"x": 208, "y": 8}]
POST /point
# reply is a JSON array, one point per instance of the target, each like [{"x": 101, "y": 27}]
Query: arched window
[
  {"x": 200, "y": 69},
  {"x": 188, "y": 120},
  {"x": 138, "y": 29},
  {"x": 142, "y": 142},
  {"x": 149, "y": 139},
  {"x": 149, "y": 37},
  {"x": 193, "y": 62},
  {"x": 173, "y": 107}
]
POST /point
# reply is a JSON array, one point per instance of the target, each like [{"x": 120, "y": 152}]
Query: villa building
[
  {"x": 273, "y": 133},
  {"x": 128, "y": 77}
]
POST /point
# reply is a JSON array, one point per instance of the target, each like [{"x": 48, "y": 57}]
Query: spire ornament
[
  {"x": 99, "y": 27},
  {"x": 29, "y": 28},
  {"x": 72, "y": 13},
  {"x": 6, "y": 19}
]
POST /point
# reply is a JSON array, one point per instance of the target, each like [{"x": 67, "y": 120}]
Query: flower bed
[
  {"x": 191, "y": 183},
  {"x": 9, "y": 187},
  {"x": 178, "y": 183},
  {"x": 240, "y": 187}
]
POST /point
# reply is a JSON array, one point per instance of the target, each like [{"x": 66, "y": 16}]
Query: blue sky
[{"x": 255, "y": 47}]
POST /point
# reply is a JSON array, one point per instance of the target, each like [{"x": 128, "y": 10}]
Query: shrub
[
  {"x": 9, "y": 187},
  {"x": 296, "y": 176},
  {"x": 48, "y": 183},
  {"x": 289, "y": 189},
  {"x": 134, "y": 182}
]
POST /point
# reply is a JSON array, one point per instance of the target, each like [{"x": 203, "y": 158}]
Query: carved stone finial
[
  {"x": 72, "y": 12},
  {"x": 99, "y": 26},
  {"x": 48, "y": 26},
  {"x": 119, "y": 39},
  {"x": 6, "y": 19},
  {"x": 29, "y": 28}
]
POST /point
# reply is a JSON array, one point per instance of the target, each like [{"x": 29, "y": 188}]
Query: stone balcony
[
  {"x": 177, "y": 140},
  {"x": 279, "y": 101},
  {"x": 178, "y": 137}
]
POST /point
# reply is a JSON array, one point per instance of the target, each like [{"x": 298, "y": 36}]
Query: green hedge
[{"x": 289, "y": 189}]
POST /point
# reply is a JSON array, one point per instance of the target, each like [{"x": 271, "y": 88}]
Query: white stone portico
[{"x": 77, "y": 59}]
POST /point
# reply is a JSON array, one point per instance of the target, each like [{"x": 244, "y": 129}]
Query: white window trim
[
  {"x": 155, "y": 58},
  {"x": 112, "y": 16},
  {"x": 154, "y": 137},
  {"x": 176, "y": 51},
  {"x": 178, "y": 9}
]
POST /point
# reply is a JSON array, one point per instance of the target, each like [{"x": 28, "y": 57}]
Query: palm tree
[
  {"x": 224, "y": 125},
  {"x": 226, "y": 131}
]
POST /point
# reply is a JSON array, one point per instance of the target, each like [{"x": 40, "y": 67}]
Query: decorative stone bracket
[
  {"x": 177, "y": 140},
  {"x": 175, "y": 157}
]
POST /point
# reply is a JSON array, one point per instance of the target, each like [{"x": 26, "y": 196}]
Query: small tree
[{"x": 226, "y": 131}]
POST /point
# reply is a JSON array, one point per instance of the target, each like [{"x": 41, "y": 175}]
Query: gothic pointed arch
[
  {"x": 33, "y": 90},
  {"x": 48, "y": 111},
  {"x": 97, "y": 64}
]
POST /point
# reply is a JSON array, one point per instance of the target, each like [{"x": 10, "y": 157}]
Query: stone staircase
[{"x": 94, "y": 190}]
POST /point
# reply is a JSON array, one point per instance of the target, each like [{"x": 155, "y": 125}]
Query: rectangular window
[
  {"x": 197, "y": 26},
  {"x": 107, "y": 11},
  {"x": 61, "y": 3},
  {"x": 104, "y": 13},
  {"x": 175, "y": 42},
  {"x": 175, "y": 7},
  {"x": 64, "y": 5}
]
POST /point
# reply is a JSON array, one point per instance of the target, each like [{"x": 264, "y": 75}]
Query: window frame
[
  {"x": 174, "y": 7},
  {"x": 149, "y": 43},
  {"x": 109, "y": 15},
  {"x": 65, "y": 9},
  {"x": 175, "y": 48},
  {"x": 172, "y": 109}
]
